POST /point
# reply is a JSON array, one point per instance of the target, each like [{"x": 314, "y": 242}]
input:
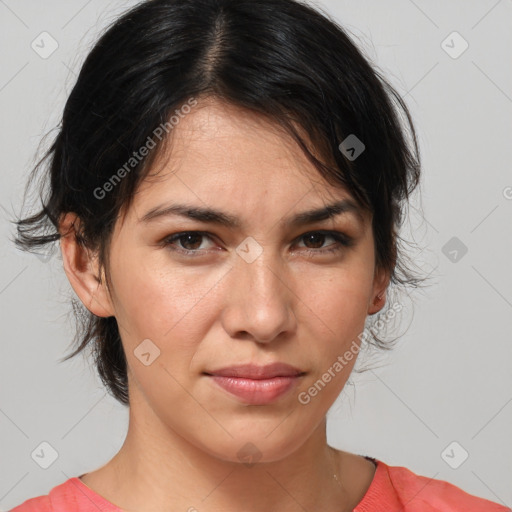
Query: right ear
[{"x": 82, "y": 268}]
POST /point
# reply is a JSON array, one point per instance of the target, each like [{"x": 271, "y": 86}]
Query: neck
[{"x": 157, "y": 469}]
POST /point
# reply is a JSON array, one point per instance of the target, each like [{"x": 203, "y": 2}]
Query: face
[{"x": 192, "y": 295}]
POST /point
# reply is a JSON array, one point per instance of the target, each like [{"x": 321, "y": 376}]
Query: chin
[{"x": 252, "y": 445}]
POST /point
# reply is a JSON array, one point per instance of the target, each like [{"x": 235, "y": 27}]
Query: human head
[{"x": 278, "y": 58}]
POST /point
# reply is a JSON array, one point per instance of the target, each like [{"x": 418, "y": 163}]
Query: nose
[{"x": 260, "y": 300}]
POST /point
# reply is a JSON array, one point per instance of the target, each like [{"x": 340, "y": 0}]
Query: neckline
[
  {"x": 375, "y": 486},
  {"x": 93, "y": 496},
  {"x": 110, "y": 507}
]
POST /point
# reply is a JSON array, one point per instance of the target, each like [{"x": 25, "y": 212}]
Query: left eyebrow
[
  {"x": 214, "y": 216},
  {"x": 345, "y": 206}
]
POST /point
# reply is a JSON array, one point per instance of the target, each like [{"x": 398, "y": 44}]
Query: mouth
[{"x": 257, "y": 385}]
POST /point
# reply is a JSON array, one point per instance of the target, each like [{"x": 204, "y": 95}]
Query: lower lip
[{"x": 256, "y": 392}]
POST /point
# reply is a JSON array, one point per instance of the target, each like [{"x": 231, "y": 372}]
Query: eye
[
  {"x": 318, "y": 238},
  {"x": 190, "y": 241}
]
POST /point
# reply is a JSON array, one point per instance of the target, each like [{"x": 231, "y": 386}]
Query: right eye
[{"x": 192, "y": 239}]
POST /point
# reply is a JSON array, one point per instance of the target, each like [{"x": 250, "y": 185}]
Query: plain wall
[{"x": 449, "y": 377}]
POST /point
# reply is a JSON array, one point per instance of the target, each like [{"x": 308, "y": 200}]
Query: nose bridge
[
  {"x": 261, "y": 302},
  {"x": 264, "y": 277}
]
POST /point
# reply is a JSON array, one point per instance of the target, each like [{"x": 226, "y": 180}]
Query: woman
[{"x": 227, "y": 185}]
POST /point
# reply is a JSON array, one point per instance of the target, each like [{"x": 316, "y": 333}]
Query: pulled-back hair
[{"x": 278, "y": 58}]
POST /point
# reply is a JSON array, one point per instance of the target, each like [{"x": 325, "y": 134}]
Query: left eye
[{"x": 317, "y": 238}]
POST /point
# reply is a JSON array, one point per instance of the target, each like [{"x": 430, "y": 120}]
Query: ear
[
  {"x": 82, "y": 269},
  {"x": 378, "y": 297}
]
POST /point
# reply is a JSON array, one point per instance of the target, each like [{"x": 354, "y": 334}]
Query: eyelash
[{"x": 342, "y": 241}]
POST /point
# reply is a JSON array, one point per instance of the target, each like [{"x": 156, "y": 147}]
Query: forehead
[
  {"x": 224, "y": 157},
  {"x": 218, "y": 136}
]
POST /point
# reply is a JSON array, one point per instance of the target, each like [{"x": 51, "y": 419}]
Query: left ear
[{"x": 378, "y": 297}]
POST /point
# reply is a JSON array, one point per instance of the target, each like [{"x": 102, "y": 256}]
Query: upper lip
[{"x": 252, "y": 371}]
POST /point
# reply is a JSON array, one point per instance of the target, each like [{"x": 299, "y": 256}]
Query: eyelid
[
  {"x": 169, "y": 239},
  {"x": 343, "y": 241}
]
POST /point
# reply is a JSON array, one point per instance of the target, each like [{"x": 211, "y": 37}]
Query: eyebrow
[{"x": 211, "y": 215}]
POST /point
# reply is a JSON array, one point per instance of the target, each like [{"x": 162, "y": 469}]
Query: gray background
[{"x": 448, "y": 378}]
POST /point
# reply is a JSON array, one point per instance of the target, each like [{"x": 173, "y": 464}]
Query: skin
[{"x": 215, "y": 309}]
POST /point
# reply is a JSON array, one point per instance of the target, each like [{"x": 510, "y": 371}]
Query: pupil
[
  {"x": 187, "y": 240},
  {"x": 314, "y": 236}
]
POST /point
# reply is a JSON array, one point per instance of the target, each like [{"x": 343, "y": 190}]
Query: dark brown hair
[{"x": 279, "y": 58}]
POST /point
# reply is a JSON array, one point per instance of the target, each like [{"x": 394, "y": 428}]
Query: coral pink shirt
[{"x": 393, "y": 489}]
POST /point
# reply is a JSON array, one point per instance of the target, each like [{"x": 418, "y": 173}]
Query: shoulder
[
  {"x": 402, "y": 490},
  {"x": 64, "y": 497},
  {"x": 38, "y": 504},
  {"x": 439, "y": 494}
]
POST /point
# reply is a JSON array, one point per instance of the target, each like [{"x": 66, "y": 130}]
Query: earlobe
[
  {"x": 82, "y": 269},
  {"x": 377, "y": 303},
  {"x": 378, "y": 297}
]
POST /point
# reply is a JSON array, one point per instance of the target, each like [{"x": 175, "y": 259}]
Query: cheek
[
  {"x": 336, "y": 310},
  {"x": 339, "y": 299},
  {"x": 167, "y": 305}
]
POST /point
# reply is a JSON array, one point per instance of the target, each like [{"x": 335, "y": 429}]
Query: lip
[
  {"x": 257, "y": 385},
  {"x": 252, "y": 371}
]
